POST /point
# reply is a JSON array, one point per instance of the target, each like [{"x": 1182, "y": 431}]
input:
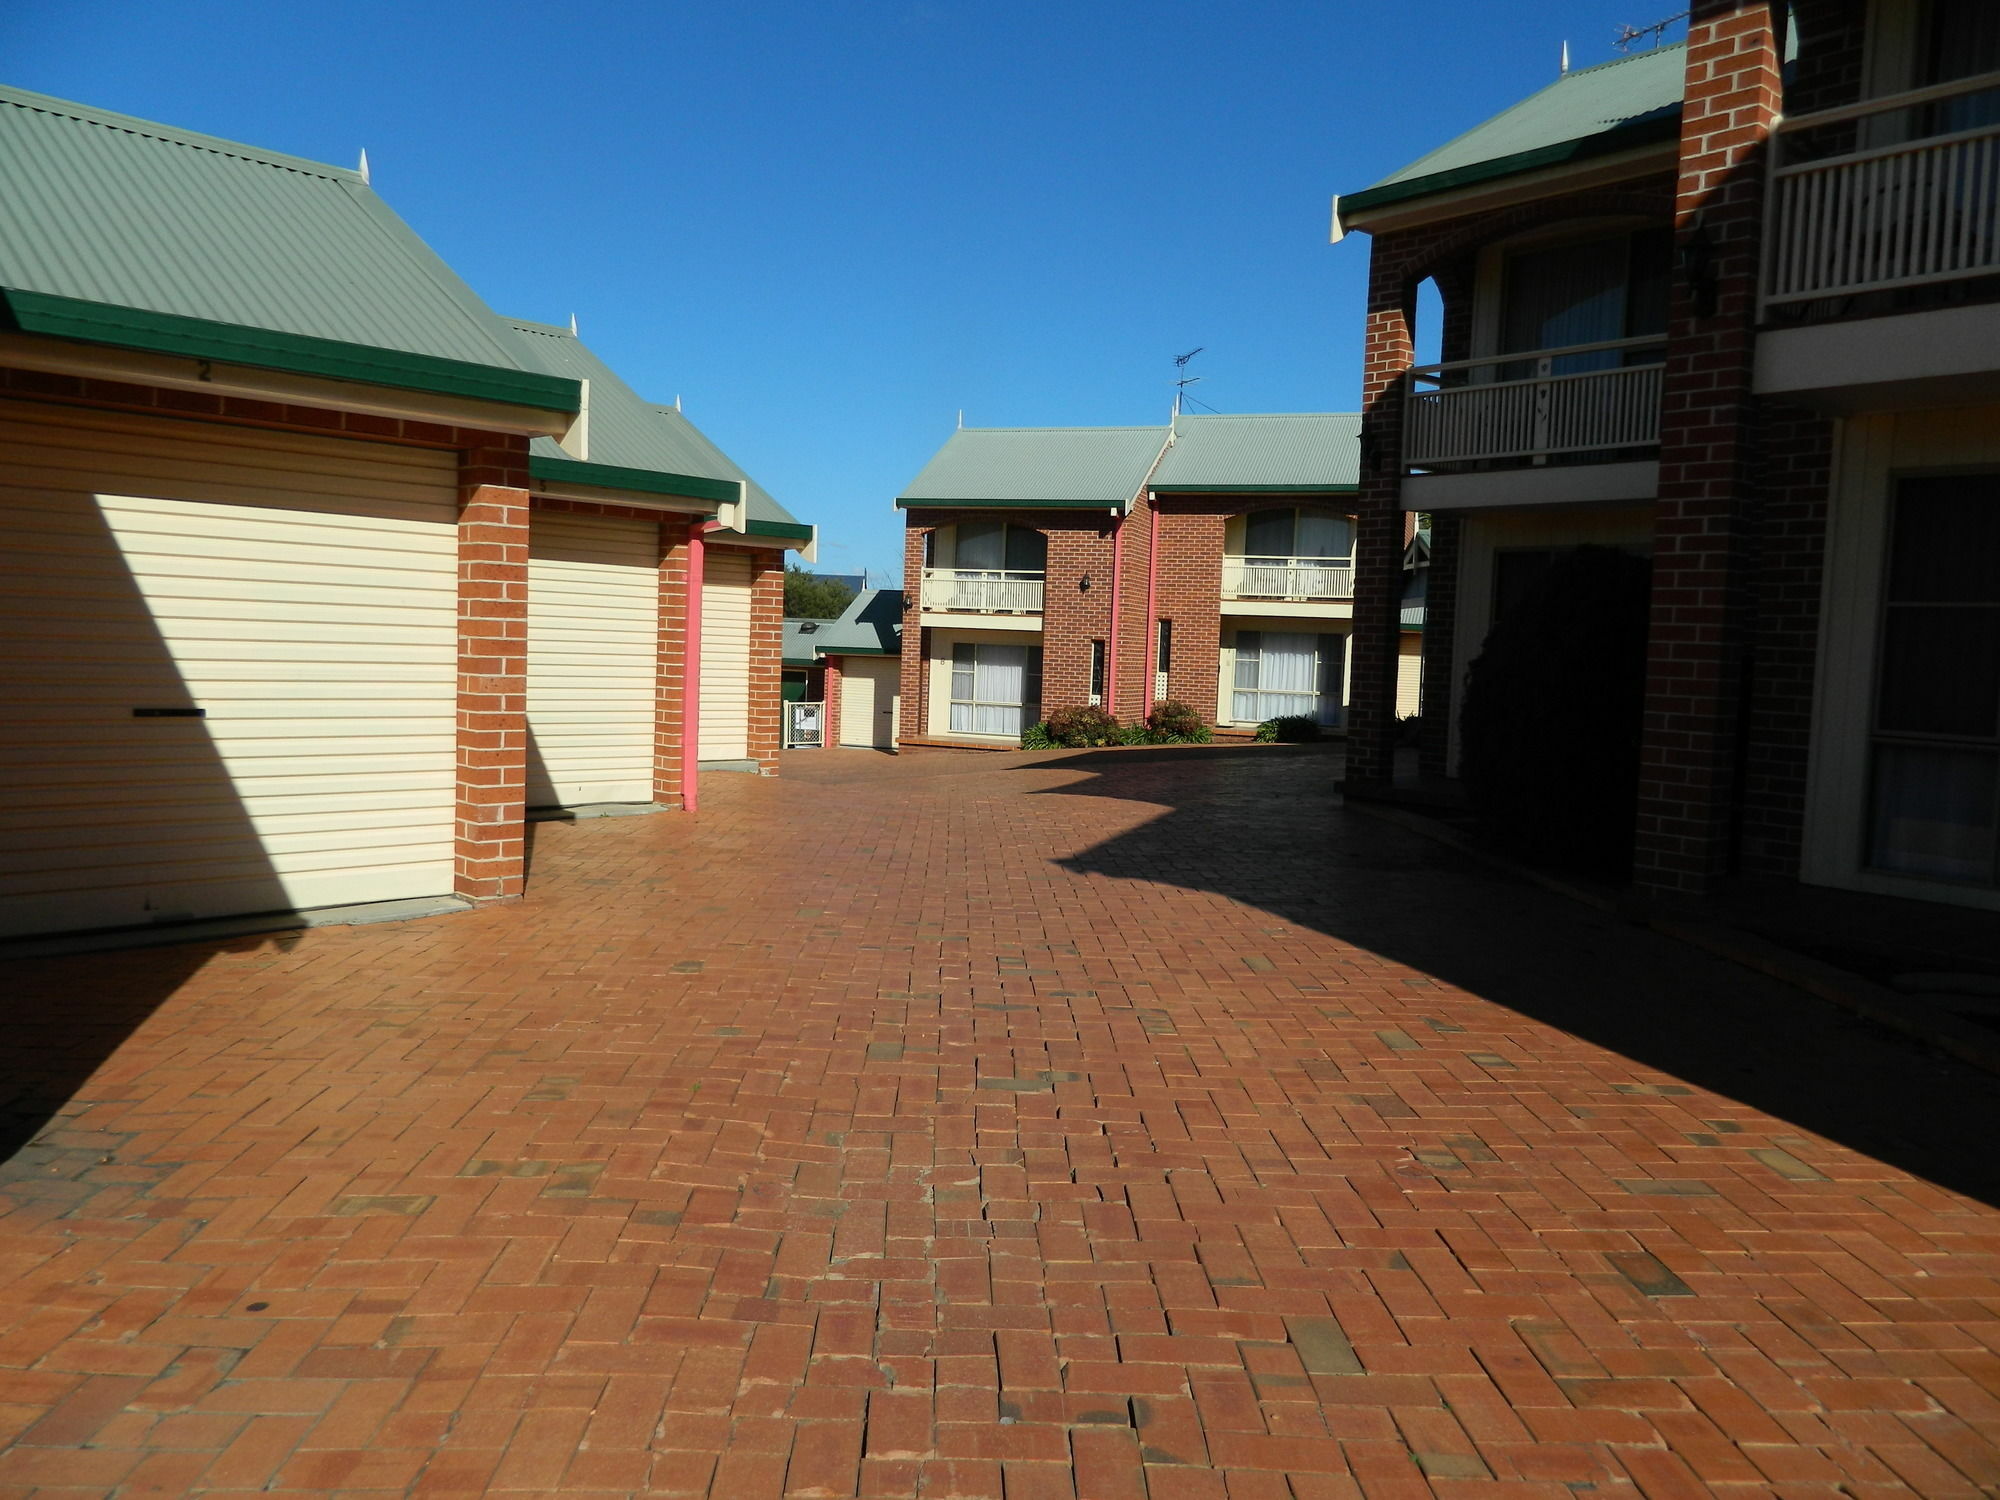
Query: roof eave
[
  {"x": 910, "y": 502},
  {"x": 640, "y": 481},
  {"x": 1255, "y": 489},
  {"x": 1356, "y": 211},
  {"x": 48, "y": 316}
]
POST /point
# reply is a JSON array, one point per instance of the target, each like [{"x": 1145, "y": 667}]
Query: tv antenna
[
  {"x": 1627, "y": 35},
  {"x": 1186, "y": 380}
]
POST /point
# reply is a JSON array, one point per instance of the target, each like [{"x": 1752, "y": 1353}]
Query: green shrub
[
  {"x": 1288, "y": 729},
  {"x": 1036, "y": 737},
  {"x": 1134, "y": 734},
  {"x": 1553, "y": 706},
  {"x": 1173, "y": 722},
  {"x": 1082, "y": 726}
]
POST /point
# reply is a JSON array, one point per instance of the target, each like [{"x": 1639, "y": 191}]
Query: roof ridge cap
[{"x": 173, "y": 135}]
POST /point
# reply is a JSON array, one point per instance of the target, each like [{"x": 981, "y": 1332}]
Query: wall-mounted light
[{"x": 1083, "y": 584}]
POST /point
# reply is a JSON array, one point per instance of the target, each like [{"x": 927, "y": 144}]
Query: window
[
  {"x": 994, "y": 689},
  {"x": 1934, "y": 793},
  {"x": 1962, "y": 41},
  {"x": 1097, "y": 671},
  {"x": 1279, "y": 674},
  {"x": 1586, "y": 292},
  {"x": 996, "y": 546},
  {"x": 1294, "y": 554},
  {"x": 1163, "y": 657}
]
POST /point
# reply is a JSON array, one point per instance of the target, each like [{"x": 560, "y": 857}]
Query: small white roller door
[
  {"x": 725, "y": 656},
  {"x": 300, "y": 591},
  {"x": 869, "y": 692},
  {"x": 593, "y": 658}
]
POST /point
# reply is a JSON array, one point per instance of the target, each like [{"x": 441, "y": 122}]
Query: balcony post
[{"x": 1697, "y": 664}]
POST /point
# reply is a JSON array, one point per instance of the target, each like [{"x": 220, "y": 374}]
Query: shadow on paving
[
  {"x": 57, "y": 1038},
  {"x": 1267, "y": 828}
]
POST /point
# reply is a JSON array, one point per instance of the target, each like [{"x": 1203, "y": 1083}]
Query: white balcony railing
[
  {"x": 982, "y": 591},
  {"x": 1295, "y": 578},
  {"x": 1876, "y": 217},
  {"x": 1527, "y": 406}
]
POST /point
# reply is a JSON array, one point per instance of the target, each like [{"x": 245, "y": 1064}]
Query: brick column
[
  {"x": 1389, "y": 350},
  {"x": 913, "y": 687},
  {"x": 1441, "y": 666},
  {"x": 830, "y": 695},
  {"x": 767, "y": 658},
  {"x": 670, "y": 686},
  {"x": 492, "y": 669},
  {"x": 1703, "y": 534},
  {"x": 1190, "y": 594},
  {"x": 1072, "y": 617}
]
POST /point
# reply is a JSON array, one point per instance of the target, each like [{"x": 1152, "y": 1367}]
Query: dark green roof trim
[
  {"x": 1255, "y": 489},
  {"x": 789, "y": 530},
  {"x": 858, "y": 651},
  {"x": 1647, "y": 132},
  {"x": 267, "y": 349},
  {"x": 905, "y": 503},
  {"x": 645, "y": 481}
]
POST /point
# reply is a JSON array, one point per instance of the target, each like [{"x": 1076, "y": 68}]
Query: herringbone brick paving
[{"x": 1031, "y": 1127}]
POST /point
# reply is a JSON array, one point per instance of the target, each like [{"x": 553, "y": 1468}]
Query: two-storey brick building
[
  {"x": 1732, "y": 304},
  {"x": 1209, "y": 561}
]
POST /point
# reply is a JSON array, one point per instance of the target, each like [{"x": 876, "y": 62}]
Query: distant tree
[{"x": 810, "y": 597}]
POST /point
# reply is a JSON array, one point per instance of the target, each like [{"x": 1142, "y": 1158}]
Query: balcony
[
  {"x": 1872, "y": 245},
  {"x": 1518, "y": 428},
  {"x": 1887, "y": 216},
  {"x": 1297, "y": 580},
  {"x": 982, "y": 591}
]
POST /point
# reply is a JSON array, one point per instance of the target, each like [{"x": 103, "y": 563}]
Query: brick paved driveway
[{"x": 1116, "y": 1126}]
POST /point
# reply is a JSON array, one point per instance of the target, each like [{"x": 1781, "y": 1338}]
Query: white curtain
[
  {"x": 990, "y": 687},
  {"x": 1279, "y": 674},
  {"x": 1935, "y": 811}
]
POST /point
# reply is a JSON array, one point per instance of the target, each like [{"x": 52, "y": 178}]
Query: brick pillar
[
  {"x": 1441, "y": 667},
  {"x": 831, "y": 674},
  {"x": 492, "y": 669},
  {"x": 670, "y": 686},
  {"x": 767, "y": 658},
  {"x": 1703, "y": 533},
  {"x": 916, "y": 648},
  {"x": 1190, "y": 594},
  {"x": 1072, "y": 616},
  {"x": 1389, "y": 349}
]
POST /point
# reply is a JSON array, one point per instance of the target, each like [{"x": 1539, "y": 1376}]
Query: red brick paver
[{"x": 1133, "y": 1125}]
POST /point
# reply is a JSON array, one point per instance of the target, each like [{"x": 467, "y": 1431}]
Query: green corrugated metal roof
[
  {"x": 1283, "y": 451},
  {"x": 1096, "y": 467},
  {"x": 871, "y": 625},
  {"x": 629, "y": 432},
  {"x": 106, "y": 209},
  {"x": 1627, "y": 101}
]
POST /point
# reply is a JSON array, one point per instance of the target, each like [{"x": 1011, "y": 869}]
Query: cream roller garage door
[
  {"x": 297, "y": 592},
  {"x": 593, "y": 658},
  {"x": 725, "y": 656},
  {"x": 869, "y": 689}
]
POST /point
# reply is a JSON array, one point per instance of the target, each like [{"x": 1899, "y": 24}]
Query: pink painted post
[{"x": 691, "y": 670}]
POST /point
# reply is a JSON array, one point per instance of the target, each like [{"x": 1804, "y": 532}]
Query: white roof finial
[
  {"x": 961, "y": 419},
  {"x": 1565, "y": 57},
  {"x": 363, "y": 168},
  {"x": 572, "y": 325}
]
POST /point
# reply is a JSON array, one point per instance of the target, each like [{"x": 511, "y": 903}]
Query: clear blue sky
[{"x": 829, "y": 226}]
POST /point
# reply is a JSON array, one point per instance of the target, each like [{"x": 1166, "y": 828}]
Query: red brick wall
[
  {"x": 492, "y": 668},
  {"x": 670, "y": 695},
  {"x": 833, "y": 671},
  {"x": 1079, "y": 543},
  {"x": 1704, "y": 534},
  {"x": 767, "y": 653},
  {"x": 1190, "y": 594}
]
